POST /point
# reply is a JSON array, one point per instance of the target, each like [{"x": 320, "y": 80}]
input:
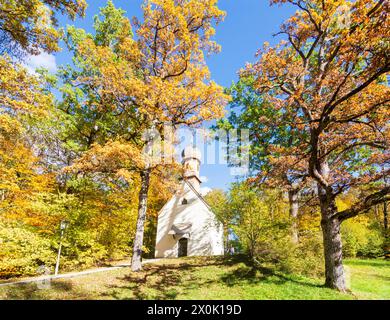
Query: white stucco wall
[{"x": 206, "y": 237}]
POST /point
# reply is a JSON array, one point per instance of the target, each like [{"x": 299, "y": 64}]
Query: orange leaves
[
  {"x": 112, "y": 157},
  {"x": 163, "y": 73},
  {"x": 327, "y": 79},
  {"x": 160, "y": 78},
  {"x": 19, "y": 179},
  {"x": 172, "y": 40},
  {"x": 129, "y": 50},
  {"x": 19, "y": 90},
  {"x": 180, "y": 25}
]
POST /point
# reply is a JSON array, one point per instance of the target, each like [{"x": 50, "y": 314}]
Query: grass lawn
[
  {"x": 207, "y": 278},
  {"x": 370, "y": 278}
]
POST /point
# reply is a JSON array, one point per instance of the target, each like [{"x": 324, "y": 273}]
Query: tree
[
  {"x": 84, "y": 114},
  {"x": 259, "y": 227},
  {"x": 219, "y": 203},
  {"x": 328, "y": 78},
  {"x": 27, "y": 26},
  {"x": 31, "y": 24},
  {"x": 160, "y": 78},
  {"x": 266, "y": 133},
  {"x": 21, "y": 97},
  {"x": 250, "y": 225},
  {"x": 22, "y": 176},
  {"x": 173, "y": 38}
]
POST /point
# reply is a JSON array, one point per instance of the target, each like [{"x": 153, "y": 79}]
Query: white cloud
[
  {"x": 205, "y": 190},
  {"x": 204, "y": 179},
  {"x": 43, "y": 60}
]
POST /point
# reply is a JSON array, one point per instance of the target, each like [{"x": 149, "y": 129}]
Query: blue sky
[{"x": 249, "y": 23}]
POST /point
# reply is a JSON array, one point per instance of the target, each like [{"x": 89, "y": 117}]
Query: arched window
[{"x": 184, "y": 201}]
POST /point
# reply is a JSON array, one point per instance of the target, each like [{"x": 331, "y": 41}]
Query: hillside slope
[{"x": 207, "y": 278}]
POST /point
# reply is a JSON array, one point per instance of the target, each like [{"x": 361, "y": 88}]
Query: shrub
[
  {"x": 305, "y": 258},
  {"x": 361, "y": 239},
  {"x": 373, "y": 248},
  {"x": 23, "y": 251}
]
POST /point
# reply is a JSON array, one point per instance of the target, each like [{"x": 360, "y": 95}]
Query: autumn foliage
[
  {"x": 78, "y": 145},
  {"x": 328, "y": 79},
  {"x": 32, "y": 24}
]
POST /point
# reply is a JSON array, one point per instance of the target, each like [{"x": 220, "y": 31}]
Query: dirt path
[{"x": 72, "y": 274}]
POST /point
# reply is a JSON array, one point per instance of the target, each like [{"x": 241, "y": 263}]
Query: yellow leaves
[
  {"x": 178, "y": 29},
  {"x": 96, "y": 56},
  {"x": 129, "y": 50},
  {"x": 114, "y": 156},
  {"x": 21, "y": 91},
  {"x": 164, "y": 71},
  {"x": 19, "y": 178},
  {"x": 125, "y": 174},
  {"x": 9, "y": 126},
  {"x": 30, "y": 23}
]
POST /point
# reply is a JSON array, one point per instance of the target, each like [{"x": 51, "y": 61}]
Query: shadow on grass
[
  {"x": 369, "y": 263},
  {"x": 256, "y": 273},
  {"x": 162, "y": 282},
  {"x": 171, "y": 280},
  {"x": 382, "y": 278},
  {"x": 21, "y": 292},
  {"x": 33, "y": 291},
  {"x": 168, "y": 281}
]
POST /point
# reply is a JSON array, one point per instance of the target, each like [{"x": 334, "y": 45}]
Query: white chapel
[{"x": 186, "y": 225}]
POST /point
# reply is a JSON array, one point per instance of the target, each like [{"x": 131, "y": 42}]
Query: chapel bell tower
[{"x": 191, "y": 163}]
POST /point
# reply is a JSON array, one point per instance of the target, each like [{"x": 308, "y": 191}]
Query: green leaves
[{"x": 110, "y": 25}]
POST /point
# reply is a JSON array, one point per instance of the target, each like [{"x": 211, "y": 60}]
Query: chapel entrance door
[{"x": 182, "y": 249}]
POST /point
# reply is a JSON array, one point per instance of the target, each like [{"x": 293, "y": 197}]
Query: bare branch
[{"x": 362, "y": 207}]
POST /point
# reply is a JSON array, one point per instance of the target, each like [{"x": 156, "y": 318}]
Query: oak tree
[
  {"x": 161, "y": 77},
  {"x": 328, "y": 79},
  {"x": 267, "y": 130}
]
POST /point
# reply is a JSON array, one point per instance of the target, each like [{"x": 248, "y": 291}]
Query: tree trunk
[
  {"x": 136, "y": 263},
  {"x": 333, "y": 254},
  {"x": 376, "y": 213},
  {"x": 294, "y": 209},
  {"x": 226, "y": 239},
  {"x": 386, "y": 231},
  {"x": 251, "y": 250}
]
